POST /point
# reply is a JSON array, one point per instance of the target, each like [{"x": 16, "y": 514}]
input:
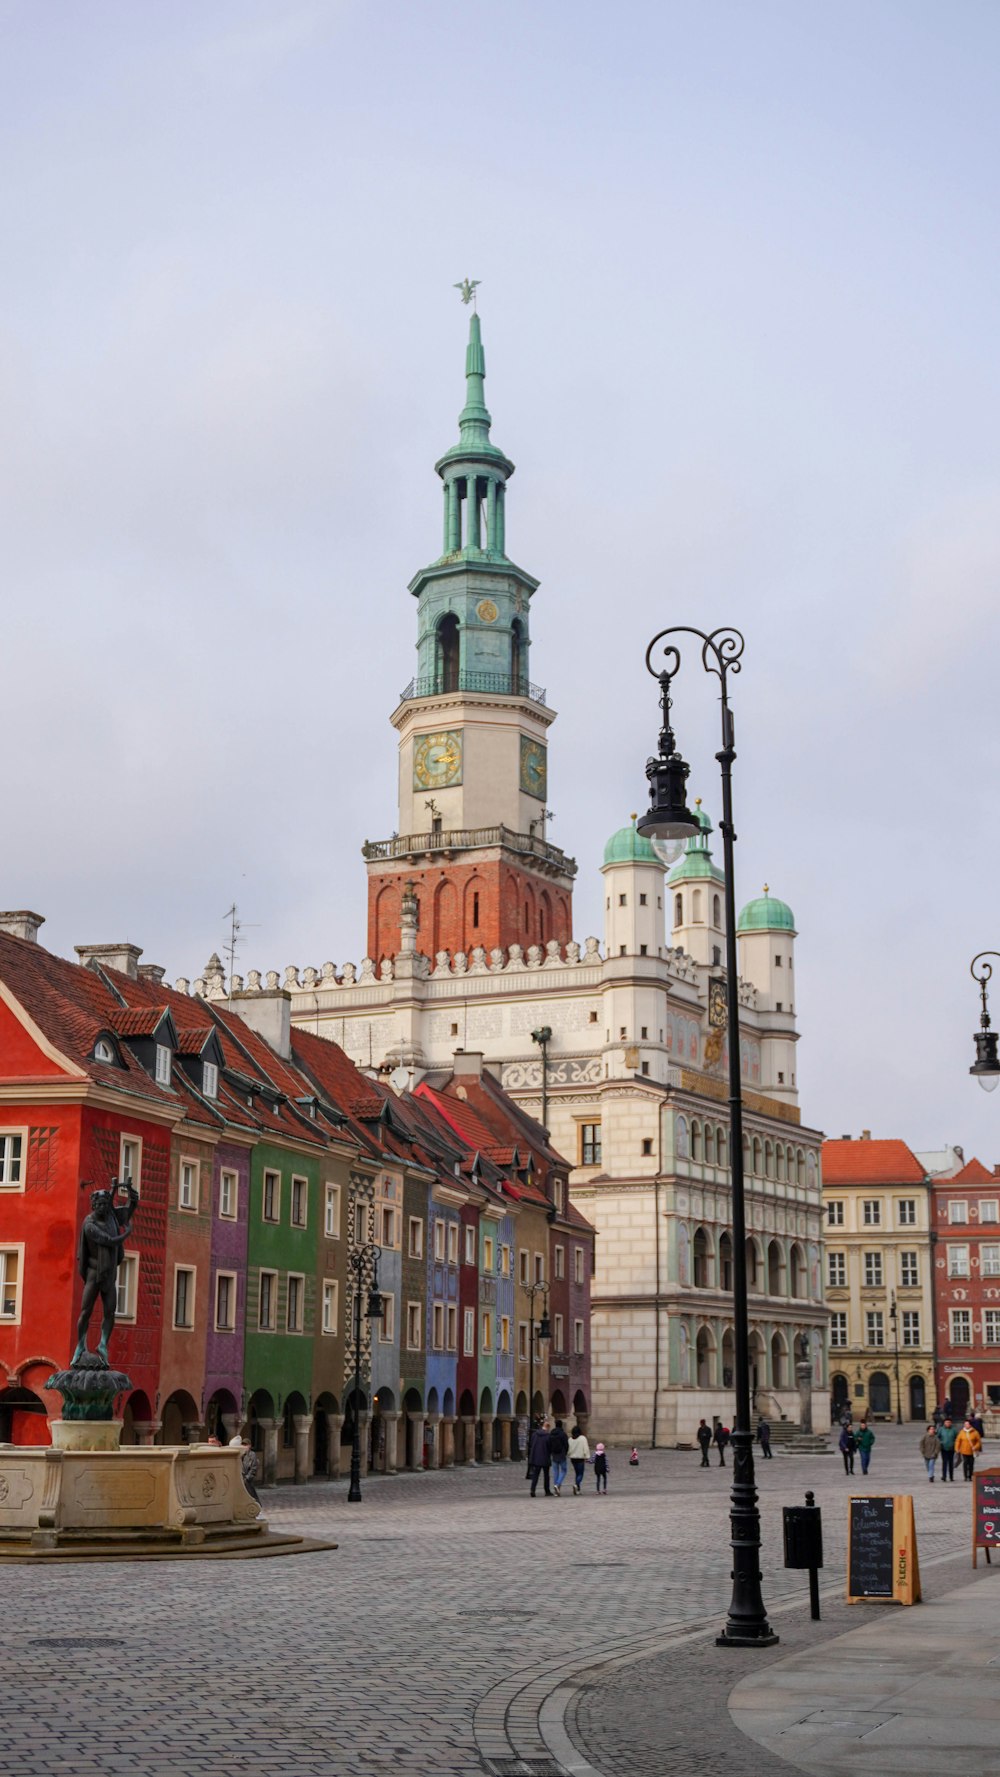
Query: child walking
[{"x": 601, "y": 1468}]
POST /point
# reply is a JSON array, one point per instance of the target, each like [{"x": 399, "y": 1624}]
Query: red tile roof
[
  {"x": 972, "y": 1173},
  {"x": 869, "y": 1162},
  {"x": 140, "y": 1023}
]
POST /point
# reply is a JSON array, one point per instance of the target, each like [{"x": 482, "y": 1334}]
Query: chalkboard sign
[
  {"x": 882, "y": 1564},
  {"x": 870, "y": 1568},
  {"x": 986, "y": 1512}
]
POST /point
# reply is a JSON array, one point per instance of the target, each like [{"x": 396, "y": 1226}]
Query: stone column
[
  {"x": 391, "y": 1422},
  {"x": 231, "y": 1424},
  {"x": 499, "y": 545},
  {"x": 473, "y": 505},
  {"x": 491, "y": 515},
  {"x": 146, "y": 1429},
  {"x": 448, "y": 1440},
  {"x": 434, "y": 1440},
  {"x": 335, "y": 1425},
  {"x": 486, "y": 1421},
  {"x": 454, "y": 517},
  {"x": 303, "y": 1426},
  {"x": 803, "y": 1376},
  {"x": 468, "y": 1424},
  {"x": 193, "y": 1431},
  {"x": 364, "y": 1420},
  {"x": 269, "y": 1455},
  {"x": 417, "y": 1422},
  {"x": 505, "y": 1437}
]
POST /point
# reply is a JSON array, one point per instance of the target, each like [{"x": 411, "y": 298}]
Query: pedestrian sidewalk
[{"x": 912, "y": 1689}]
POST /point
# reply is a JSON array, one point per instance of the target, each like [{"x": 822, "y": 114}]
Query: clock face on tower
[
  {"x": 437, "y": 760},
  {"x": 534, "y": 768}
]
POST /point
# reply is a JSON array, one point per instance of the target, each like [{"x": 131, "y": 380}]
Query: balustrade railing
[{"x": 496, "y": 684}]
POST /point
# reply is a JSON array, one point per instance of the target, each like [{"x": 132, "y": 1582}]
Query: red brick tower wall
[{"x": 491, "y": 903}]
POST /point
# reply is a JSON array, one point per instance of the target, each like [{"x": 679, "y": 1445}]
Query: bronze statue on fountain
[{"x": 90, "y": 1386}]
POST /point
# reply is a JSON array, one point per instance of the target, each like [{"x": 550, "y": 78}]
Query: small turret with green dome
[
  {"x": 766, "y": 914},
  {"x": 697, "y": 859},
  {"x": 628, "y": 846}
]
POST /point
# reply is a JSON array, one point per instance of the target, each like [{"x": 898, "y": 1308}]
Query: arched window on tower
[
  {"x": 517, "y": 662},
  {"x": 696, "y": 906},
  {"x": 716, "y": 911},
  {"x": 678, "y": 910},
  {"x": 448, "y": 653}
]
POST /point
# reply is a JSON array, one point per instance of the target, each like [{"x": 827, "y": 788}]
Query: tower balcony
[
  {"x": 492, "y": 684},
  {"x": 412, "y": 846}
]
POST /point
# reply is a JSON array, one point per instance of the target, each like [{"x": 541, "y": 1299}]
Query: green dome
[
  {"x": 696, "y": 861},
  {"x": 766, "y": 914},
  {"x": 629, "y": 847}
]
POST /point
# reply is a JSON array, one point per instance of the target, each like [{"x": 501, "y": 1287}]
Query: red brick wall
[{"x": 514, "y": 906}]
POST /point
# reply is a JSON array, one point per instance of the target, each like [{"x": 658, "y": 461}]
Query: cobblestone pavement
[{"x": 460, "y": 1625}]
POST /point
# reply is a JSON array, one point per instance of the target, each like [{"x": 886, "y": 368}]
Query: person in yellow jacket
[{"x": 968, "y": 1445}]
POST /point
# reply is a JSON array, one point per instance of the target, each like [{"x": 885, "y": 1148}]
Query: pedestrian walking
[
  {"x": 930, "y": 1450},
  {"x": 559, "y": 1452},
  {"x": 968, "y": 1445},
  {"x": 601, "y": 1468},
  {"x": 946, "y": 1438},
  {"x": 975, "y": 1420},
  {"x": 865, "y": 1438},
  {"x": 764, "y": 1437},
  {"x": 720, "y": 1438},
  {"x": 248, "y": 1466},
  {"x": 704, "y": 1437},
  {"x": 847, "y": 1446},
  {"x": 579, "y": 1455},
  {"x": 540, "y": 1458},
  {"x": 633, "y": 1456}
]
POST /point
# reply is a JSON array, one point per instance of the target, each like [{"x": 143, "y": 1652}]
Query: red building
[{"x": 965, "y": 1235}]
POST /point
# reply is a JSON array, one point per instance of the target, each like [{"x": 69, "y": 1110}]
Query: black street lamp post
[
  {"x": 668, "y": 823},
  {"x": 543, "y": 1037},
  {"x": 986, "y": 1067},
  {"x": 894, "y": 1317},
  {"x": 544, "y": 1332},
  {"x": 364, "y": 1263}
]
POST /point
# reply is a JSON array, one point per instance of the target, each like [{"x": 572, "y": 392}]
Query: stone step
[{"x": 808, "y": 1444}]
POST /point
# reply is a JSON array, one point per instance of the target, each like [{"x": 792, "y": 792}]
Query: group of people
[
  {"x": 552, "y": 1448},
  {"x": 948, "y": 1441},
  {"x": 856, "y": 1443},
  {"x": 721, "y": 1436}
]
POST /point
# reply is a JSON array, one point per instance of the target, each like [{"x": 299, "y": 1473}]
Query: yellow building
[{"x": 879, "y": 1279}]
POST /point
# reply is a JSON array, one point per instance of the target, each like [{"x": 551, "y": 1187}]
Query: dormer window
[
  {"x": 162, "y": 1065},
  {"x": 103, "y": 1050},
  {"x": 210, "y": 1079}
]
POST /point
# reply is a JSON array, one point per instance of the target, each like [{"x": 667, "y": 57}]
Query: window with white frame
[
  {"x": 413, "y": 1326},
  {"x": 558, "y": 1333},
  {"x": 451, "y": 1327},
  {"x": 272, "y": 1197},
  {"x": 836, "y": 1270},
  {"x": 488, "y": 1253},
  {"x": 522, "y": 1341},
  {"x": 162, "y": 1065},
  {"x": 187, "y": 1196},
  {"x": 300, "y": 1201},
  {"x": 873, "y": 1271},
  {"x": 452, "y": 1243},
  {"x": 874, "y": 1327},
  {"x": 523, "y": 1264},
  {"x": 229, "y": 1194},
  {"x": 988, "y": 1209},
  {"x": 12, "y": 1159},
  {"x": 909, "y": 1270},
  {"x": 911, "y": 1326},
  {"x": 539, "y": 1267},
  {"x": 103, "y": 1050},
  {"x": 130, "y": 1160},
  {"x": 389, "y": 1226},
  {"x": 387, "y": 1325},
  {"x": 504, "y": 1332},
  {"x": 579, "y": 1345},
  {"x": 468, "y": 1332},
  {"x": 331, "y": 1212},
  {"x": 989, "y": 1260},
  {"x": 991, "y": 1326},
  {"x": 127, "y": 1285},
  {"x": 11, "y": 1273},
  {"x": 330, "y": 1305},
  {"x": 590, "y": 1144},
  {"x": 437, "y": 1326},
  {"x": 295, "y": 1302},
  {"x": 578, "y": 1264},
  {"x": 210, "y": 1079},
  {"x": 559, "y": 1194},
  {"x": 838, "y": 1328},
  {"x": 470, "y": 1245},
  {"x": 906, "y": 1212},
  {"x": 871, "y": 1212},
  {"x": 267, "y": 1308},
  {"x": 184, "y": 1280},
  {"x": 958, "y": 1261},
  {"x": 416, "y": 1237},
  {"x": 225, "y": 1301},
  {"x": 961, "y": 1326},
  {"x": 835, "y": 1215},
  {"x": 486, "y": 1332},
  {"x": 362, "y": 1222},
  {"x": 559, "y": 1262},
  {"x": 439, "y": 1240},
  {"x": 957, "y": 1210}
]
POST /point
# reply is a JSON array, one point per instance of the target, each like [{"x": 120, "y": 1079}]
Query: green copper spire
[{"x": 475, "y": 420}]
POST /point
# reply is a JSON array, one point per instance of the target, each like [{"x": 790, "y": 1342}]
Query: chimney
[
  {"x": 123, "y": 957},
  {"x": 866, "y": 1135},
  {"x": 847, "y": 1138},
  {"x": 151, "y": 972},
  {"x": 269, "y": 1013},
  {"x": 467, "y": 1064},
  {"x": 22, "y": 924}
]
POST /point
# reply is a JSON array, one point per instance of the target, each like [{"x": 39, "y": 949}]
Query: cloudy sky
[{"x": 740, "y": 280}]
